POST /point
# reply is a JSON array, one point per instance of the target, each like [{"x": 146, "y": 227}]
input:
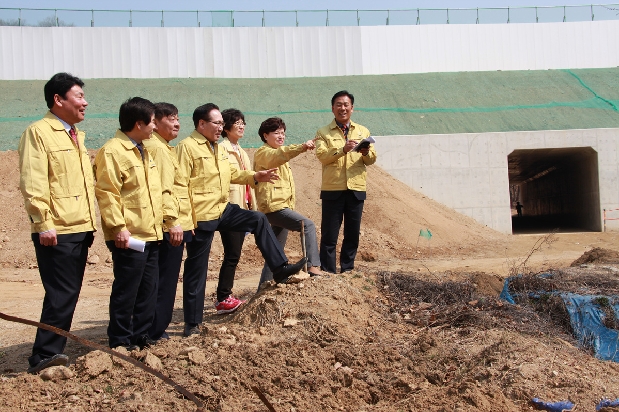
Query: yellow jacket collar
[
  {"x": 161, "y": 139},
  {"x": 198, "y": 137},
  {"x": 333, "y": 125},
  {"x": 225, "y": 142},
  {"x": 53, "y": 121},
  {"x": 124, "y": 140}
]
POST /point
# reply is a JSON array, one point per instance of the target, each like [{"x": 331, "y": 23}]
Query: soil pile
[
  {"x": 401, "y": 333},
  {"x": 336, "y": 343},
  {"x": 597, "y": 255}
]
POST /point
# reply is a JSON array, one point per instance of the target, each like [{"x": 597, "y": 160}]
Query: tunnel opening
[{"x": 554, "y": 189}]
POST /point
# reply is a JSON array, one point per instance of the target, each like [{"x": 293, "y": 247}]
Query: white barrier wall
[
  {"x": 272, "y": 52},
  {"x": 469, "y": 172}
]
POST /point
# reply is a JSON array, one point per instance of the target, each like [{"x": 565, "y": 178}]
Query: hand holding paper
[{"x": 136, "y": 244}]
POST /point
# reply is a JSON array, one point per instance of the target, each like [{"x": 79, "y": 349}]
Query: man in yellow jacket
[
  {"x": 57, "y": 184},
  {"x": 129, "y": 192},
  {"x": 343, "y": 182},
  {"x": 177, "y": 231},
  {"x": 210, "y": 175}
]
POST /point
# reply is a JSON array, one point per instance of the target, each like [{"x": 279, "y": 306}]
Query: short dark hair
[
  {"x": 134, "y": 110},
  {"x": 59, "y": 84},
  {"x": 164, "y": 110},
  {"x": 202, "y": 113},
  {"x": 271, "y": 124},
  {"x": 231, "y": 116},
  {"x": 343, "y": 93}
]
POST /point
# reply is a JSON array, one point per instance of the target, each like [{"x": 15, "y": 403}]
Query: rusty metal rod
[{"x": 86, "y": 342}]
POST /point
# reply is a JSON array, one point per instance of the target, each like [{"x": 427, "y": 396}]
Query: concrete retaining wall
[{"x": 469, "y": 172}]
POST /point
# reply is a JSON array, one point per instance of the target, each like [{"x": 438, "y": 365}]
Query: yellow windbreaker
[
  {"x": 279, "y": 195},
  {"x": 237, "y": 192},
  {"x": 210, "y": 175},
  {"x": 128, "y": 190},
  {"x": 342, "y": 171},
  {"x": 174, "y": 185},
  {"x": 56, "y": 178}
]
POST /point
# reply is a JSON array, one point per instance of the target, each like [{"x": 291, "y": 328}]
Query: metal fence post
[
  {"x": 387, "y": 17},
  {"x": 198, "y": 17},
  {"x": 592, "y": 15},
  {"x": 162, "y": 18},
  {"x": 130, "y": 18},
  {"x": 418, "y": 20},
  {"x": 327, "y": 17},
  {"x": 508, "y": 15},
  {"x": 56, "y": 17},
  {"x": 447, "y": 16},
  {"x": 296, "y": 17},
  {"x": 536, "y": 17},
  {"x": 262, "y": 18},
  {"x": 358, "y": 20},
  {"x": 92, "y": 18},
  {"x": 564, "y": 18},
  {"x": 477, "y": 21}
]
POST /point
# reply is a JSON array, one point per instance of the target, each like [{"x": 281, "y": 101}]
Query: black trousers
[
  {"x": 233, "y": 244},
  {"x": 62, "y": 271},
  {"x": 170, "y": 259},
  {"x": 346, "y": 205},
  {"x": 134, "y": 293},
  {"x": 233, "y": 219}
]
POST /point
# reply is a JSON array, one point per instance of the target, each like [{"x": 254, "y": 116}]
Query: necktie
[
  {"x": 345, "y": 130},
  {"x": 141, "y": 149},
  {"x": 73, "y": 135}
]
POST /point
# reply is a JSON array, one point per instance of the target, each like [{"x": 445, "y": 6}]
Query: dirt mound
[
  {"x": 334, "y": 343},
  {"x": 597, "y": 255},
  {"x": 377, "y": 339}
]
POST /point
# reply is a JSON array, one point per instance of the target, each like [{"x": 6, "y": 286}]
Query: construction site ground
[{"x": 344, "y": 342}]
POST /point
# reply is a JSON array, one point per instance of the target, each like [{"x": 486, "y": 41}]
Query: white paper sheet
[{"x": 136, "y": 244}]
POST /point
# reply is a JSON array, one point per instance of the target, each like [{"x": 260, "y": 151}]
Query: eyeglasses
[
  {"x": 239, "y": 123},
  {"x": 218, "y": 124}
]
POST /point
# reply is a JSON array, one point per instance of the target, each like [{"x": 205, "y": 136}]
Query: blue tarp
[
  {"x": 562, "y": 406},
  {"x": 586, "y": 318}
]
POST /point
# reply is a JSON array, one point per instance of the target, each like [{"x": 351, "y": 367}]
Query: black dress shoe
[
  {"x": 128, "y": 346},
  {"x": 145, "y": 341},
  {"x": 191, "y": 329},
  {"x": 283, "y": 273},
  {"x": 56, "y": 360}
]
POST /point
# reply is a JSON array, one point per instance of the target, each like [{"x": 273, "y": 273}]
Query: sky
[{"x": 284, "y": 19}]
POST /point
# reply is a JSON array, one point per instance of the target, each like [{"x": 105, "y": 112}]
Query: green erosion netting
[{"x": 429, "y": 103}]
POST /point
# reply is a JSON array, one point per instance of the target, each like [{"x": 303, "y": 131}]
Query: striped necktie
[
  {"x": 73, "y": 136},
  {"x": 345, "y": 128}
]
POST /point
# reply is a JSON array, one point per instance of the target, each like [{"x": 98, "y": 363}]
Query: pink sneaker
[{"x": 230, "y": 304}]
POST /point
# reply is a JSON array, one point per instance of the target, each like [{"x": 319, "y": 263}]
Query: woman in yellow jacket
[{"x": 277, "y": 200}]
